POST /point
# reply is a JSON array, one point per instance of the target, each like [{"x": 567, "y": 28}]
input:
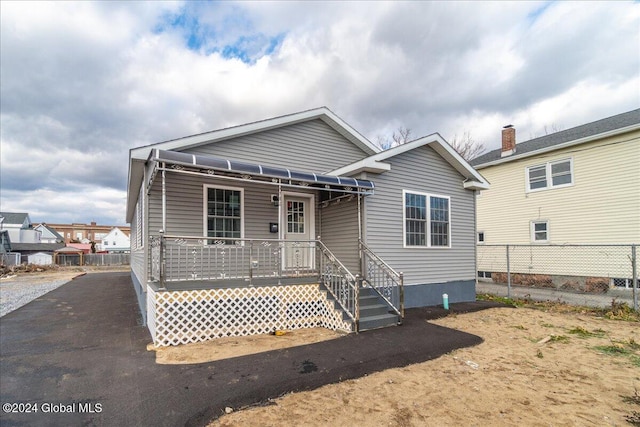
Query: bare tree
[
  {"x": 399, "y": 137},
  {"x": 547, "y": 130},
  {"x": 466, "y": 146}
]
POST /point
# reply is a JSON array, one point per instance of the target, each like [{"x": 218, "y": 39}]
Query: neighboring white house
[
  {"x": 115, "y": 241},
  {"x": 48, "y": 234},
  {"x": 553, "y": 195},
  {"x": 19, "y": 227}
]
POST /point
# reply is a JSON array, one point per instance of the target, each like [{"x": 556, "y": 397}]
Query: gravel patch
[{"x": 15, "y": 294}]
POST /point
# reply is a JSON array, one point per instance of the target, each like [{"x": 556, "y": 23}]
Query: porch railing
[
  {"x": 343, "y": 285},
  {"x": 383, "y": 279},
  {"x": 188, "y": 258}
]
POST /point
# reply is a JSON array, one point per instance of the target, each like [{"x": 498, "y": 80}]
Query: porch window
[
  {"x": 426, "y": 220},
  {"x": 224, "y": 213}
]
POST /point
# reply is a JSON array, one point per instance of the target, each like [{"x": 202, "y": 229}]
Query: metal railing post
[
  {"x": 251, "y": 263},
  {"x": 162, "y": 261},
  {"x": 356, "y": 302},
  {"x": 402, "y": 294},
  {"x": 508, "y": 275},
  {"x": 634, "y": 270}
]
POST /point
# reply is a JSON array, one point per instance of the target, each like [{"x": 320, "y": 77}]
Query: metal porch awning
[{"x": 217, "y": 166}]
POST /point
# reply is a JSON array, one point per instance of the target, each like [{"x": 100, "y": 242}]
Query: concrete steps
[{"x": 374, "y": 312}]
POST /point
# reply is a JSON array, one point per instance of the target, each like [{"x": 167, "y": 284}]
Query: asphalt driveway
[{"x": 78, "y": 356}]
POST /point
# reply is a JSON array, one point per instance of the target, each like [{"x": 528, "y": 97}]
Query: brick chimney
[{"x": 508, "y": 141}]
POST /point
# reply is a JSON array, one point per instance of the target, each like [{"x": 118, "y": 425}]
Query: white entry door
[{"x": 299, "y": 227}]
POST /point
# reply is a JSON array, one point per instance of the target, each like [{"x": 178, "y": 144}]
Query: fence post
[
  {"x": 508, "y": 275},
  {"x": 634, "y": 271}
]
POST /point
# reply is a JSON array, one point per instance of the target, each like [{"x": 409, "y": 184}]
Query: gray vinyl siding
[
  {"x": 340, "y": 232},
  {"x": 422, "y": 170},
  {"x": 311, "y": 146},
  {"x": 185, "y": 206}
]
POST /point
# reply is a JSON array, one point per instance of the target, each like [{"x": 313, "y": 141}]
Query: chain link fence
[{"x": 586, "y": 268}]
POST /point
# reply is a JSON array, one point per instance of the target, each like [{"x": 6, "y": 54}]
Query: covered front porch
[{"x": 280, "y": 250}]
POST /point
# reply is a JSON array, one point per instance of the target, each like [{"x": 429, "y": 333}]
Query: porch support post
[
  {"x": 280, "y": 202},
  {"x": 164, "y": 199},
  {"x": 280, "y": 233},
  {"x": 360, "y": 260}
]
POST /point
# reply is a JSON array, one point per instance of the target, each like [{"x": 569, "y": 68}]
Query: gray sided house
[{"x": 296, "y": 221}]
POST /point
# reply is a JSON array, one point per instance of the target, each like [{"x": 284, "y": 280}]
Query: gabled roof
[
  {"x": 376, "y": 164},
  {"x": 50, "y": 231},
  {"x": 15, "y": 218},
  {"x": 138, "y": 156},
  {"x": 609, "y": 126}
]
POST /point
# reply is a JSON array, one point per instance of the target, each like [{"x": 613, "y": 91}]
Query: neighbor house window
[
  {"x": 539, "y": 231},
  {"x": 426, "y": 220},
  {"x": 550, "y": 175},
  {"x": 224, "y": 212}
]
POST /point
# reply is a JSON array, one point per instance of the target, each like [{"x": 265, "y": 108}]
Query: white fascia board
[
  {"x": 365, "y": 165},
  {"x": 438, "y": 144},
  {"x": 476, "y": 185},
  {"x": 560, "y": 146},
  {"x": 136, "y": 175}
]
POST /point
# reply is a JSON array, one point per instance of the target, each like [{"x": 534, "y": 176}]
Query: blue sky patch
[
  {"x": 233, "y": 37},
  {"x": 534, "y": 15}
]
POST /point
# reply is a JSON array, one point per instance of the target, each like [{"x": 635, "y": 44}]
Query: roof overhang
[
  {"x": 139, "y": 156},
  {"x": 376, "y": 163}
]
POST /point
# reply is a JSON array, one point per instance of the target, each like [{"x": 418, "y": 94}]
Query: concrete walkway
[
  {"x": 546, "y": 294},
  {"x": 79, "y": 354}
]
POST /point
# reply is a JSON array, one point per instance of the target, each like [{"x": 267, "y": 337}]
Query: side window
[
  {"x": 550, "y": 175},
  {"x": 426, "y": 220},
  {"x": 540, "y": 231}
]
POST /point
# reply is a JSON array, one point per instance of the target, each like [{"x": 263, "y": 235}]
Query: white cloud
[{"x": 83, "y": 82}]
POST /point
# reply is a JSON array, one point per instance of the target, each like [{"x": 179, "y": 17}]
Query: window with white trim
[
  {"x": 224, "y": 212},
  {"x": 426, "y": 220},
  {"x": 554, "y": 174},
  {"x": 539, "y": 231}
]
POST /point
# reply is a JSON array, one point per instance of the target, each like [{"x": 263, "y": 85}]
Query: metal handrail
[
  {"x": 390, "y": 275},
  {"x": 344, "y": 286}
]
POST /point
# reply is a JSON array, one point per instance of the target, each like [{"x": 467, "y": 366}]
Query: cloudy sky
[{"x": 82, "y": 82}]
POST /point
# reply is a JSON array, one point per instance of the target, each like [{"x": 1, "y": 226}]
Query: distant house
[
  {"x": 48, "y": 234},
  {"x": 296, "y": 221},
  {"x": 116, "y": 241},
  {"x": 18, "y": 225},
  {"x": 576, "y": 186},
  {"x": 21, "y": 237},
  {"x": 85, "y": 233}
]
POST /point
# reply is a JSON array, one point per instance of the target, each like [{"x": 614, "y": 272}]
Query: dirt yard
[{"x": 534, "y": 368}]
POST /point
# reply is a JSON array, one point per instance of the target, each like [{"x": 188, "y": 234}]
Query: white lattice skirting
[{"x": 181, "y": 317}]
